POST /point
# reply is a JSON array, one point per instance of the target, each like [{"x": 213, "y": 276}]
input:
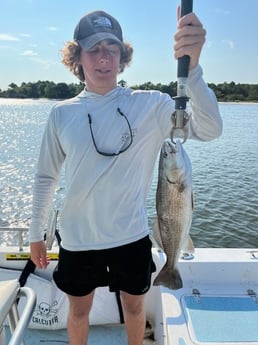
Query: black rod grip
[
  {"x": 183, "y": 66},
  {"x": 183, "y": 62},
  {"x": 186, "y": 7}
]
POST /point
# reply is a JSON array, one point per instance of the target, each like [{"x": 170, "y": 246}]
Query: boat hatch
[{"x": 221, "y": 319}]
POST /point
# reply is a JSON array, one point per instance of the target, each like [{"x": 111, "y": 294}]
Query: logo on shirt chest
[{"x": 126, "y": 137}]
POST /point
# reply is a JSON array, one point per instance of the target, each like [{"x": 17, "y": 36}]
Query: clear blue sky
[{"x": 32, "y": 32}]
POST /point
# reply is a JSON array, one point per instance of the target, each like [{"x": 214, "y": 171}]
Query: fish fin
[
  {"x": 188, "y": 246},
  {"x": 156, "y": 234},
  {"x": 169, "y": 278}
]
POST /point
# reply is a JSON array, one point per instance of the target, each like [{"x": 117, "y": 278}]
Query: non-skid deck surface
[
  {"x": 99, "y": 335},
  {"x": 221, "y": 319}
]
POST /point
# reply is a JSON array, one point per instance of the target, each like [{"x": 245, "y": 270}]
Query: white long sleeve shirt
[{"x": 105, "y": 198}]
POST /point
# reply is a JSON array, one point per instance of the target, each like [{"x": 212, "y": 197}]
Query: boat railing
[
  {"x": 50, "y": 230},
  {"x": 20, "y": 232},
  {"x": 10, "y": 293}
]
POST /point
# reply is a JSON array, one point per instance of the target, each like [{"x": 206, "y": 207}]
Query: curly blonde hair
[{"x": 71, "y": 58}]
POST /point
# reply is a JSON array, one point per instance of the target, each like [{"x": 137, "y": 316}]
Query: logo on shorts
[{"x": 145, "y": 289}]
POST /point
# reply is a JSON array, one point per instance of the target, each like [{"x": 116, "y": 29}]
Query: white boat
[{"x": 218, "y": 303}]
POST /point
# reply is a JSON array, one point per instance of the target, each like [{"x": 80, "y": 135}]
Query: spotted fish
[{"x": 174, "y": 205}]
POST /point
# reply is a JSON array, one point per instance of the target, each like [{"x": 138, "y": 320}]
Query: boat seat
[{"x": 8, "y": 294}]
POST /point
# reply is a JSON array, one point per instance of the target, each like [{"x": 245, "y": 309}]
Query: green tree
[
  {"x": 48, "y": 89},
  {"x": 122, "y": 83}
]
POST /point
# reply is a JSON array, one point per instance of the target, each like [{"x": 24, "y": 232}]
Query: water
[{"x": 225, "y": 174}]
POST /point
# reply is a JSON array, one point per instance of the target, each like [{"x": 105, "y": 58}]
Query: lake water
[{"x": 225, "y": 174}]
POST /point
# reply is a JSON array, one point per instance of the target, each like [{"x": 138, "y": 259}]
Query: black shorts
[{"x": 127, "y": 268}]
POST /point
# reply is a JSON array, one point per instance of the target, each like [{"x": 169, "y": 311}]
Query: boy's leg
[
  {"x": 78, "y": 318},
  {"x": 135, "y": 318}
]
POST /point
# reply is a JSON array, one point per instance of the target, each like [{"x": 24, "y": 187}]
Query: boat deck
[
  {"x": 99, "y": 335},
  {"x": 218, "y": 305}
]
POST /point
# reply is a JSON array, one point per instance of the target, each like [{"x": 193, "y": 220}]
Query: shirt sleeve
[
  {"x": 205, "y": 122},
  {"x": 49, "y": 165}
]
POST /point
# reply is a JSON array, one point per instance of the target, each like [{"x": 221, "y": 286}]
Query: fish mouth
[
  {"x": 168, "y": 148},
  {"x": 178, "y": 145}
]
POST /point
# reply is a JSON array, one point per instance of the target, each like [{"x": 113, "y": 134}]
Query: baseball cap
[{"x": 95, "y": 27}]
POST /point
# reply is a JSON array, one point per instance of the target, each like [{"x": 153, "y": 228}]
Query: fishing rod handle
[
  {"x": 186, "y": 7},
  {"x": 183, "y": 62}
]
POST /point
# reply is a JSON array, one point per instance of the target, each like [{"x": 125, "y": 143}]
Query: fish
[{"x": 174, "y": 208}]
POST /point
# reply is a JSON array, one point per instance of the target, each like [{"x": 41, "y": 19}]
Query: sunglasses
[{"x": 107, "y": 154}]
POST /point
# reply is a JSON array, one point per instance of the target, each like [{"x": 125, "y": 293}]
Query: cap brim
[{"x": 89, "y": 42}]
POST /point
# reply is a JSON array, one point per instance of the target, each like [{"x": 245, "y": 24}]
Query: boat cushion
[{"x": 221, "y": 319}]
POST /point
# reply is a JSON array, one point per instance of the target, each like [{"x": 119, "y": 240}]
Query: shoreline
[
  {"x": 238, "y": 102},
  {"x": 57, "y": 100}
]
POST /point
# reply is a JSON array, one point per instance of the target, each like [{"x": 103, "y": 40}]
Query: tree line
[{"x": 225, "y": 92}]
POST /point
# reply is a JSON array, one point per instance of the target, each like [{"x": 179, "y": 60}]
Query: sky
[{"x": 32, "y": 33}]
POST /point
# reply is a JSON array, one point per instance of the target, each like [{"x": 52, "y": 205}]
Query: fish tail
[{"x": 169, "y": 278}]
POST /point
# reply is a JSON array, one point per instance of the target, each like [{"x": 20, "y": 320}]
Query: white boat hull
[{"x": 219, "y": 295}]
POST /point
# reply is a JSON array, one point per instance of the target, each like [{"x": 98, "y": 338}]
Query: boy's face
[{"x": 101, "y": 65}]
